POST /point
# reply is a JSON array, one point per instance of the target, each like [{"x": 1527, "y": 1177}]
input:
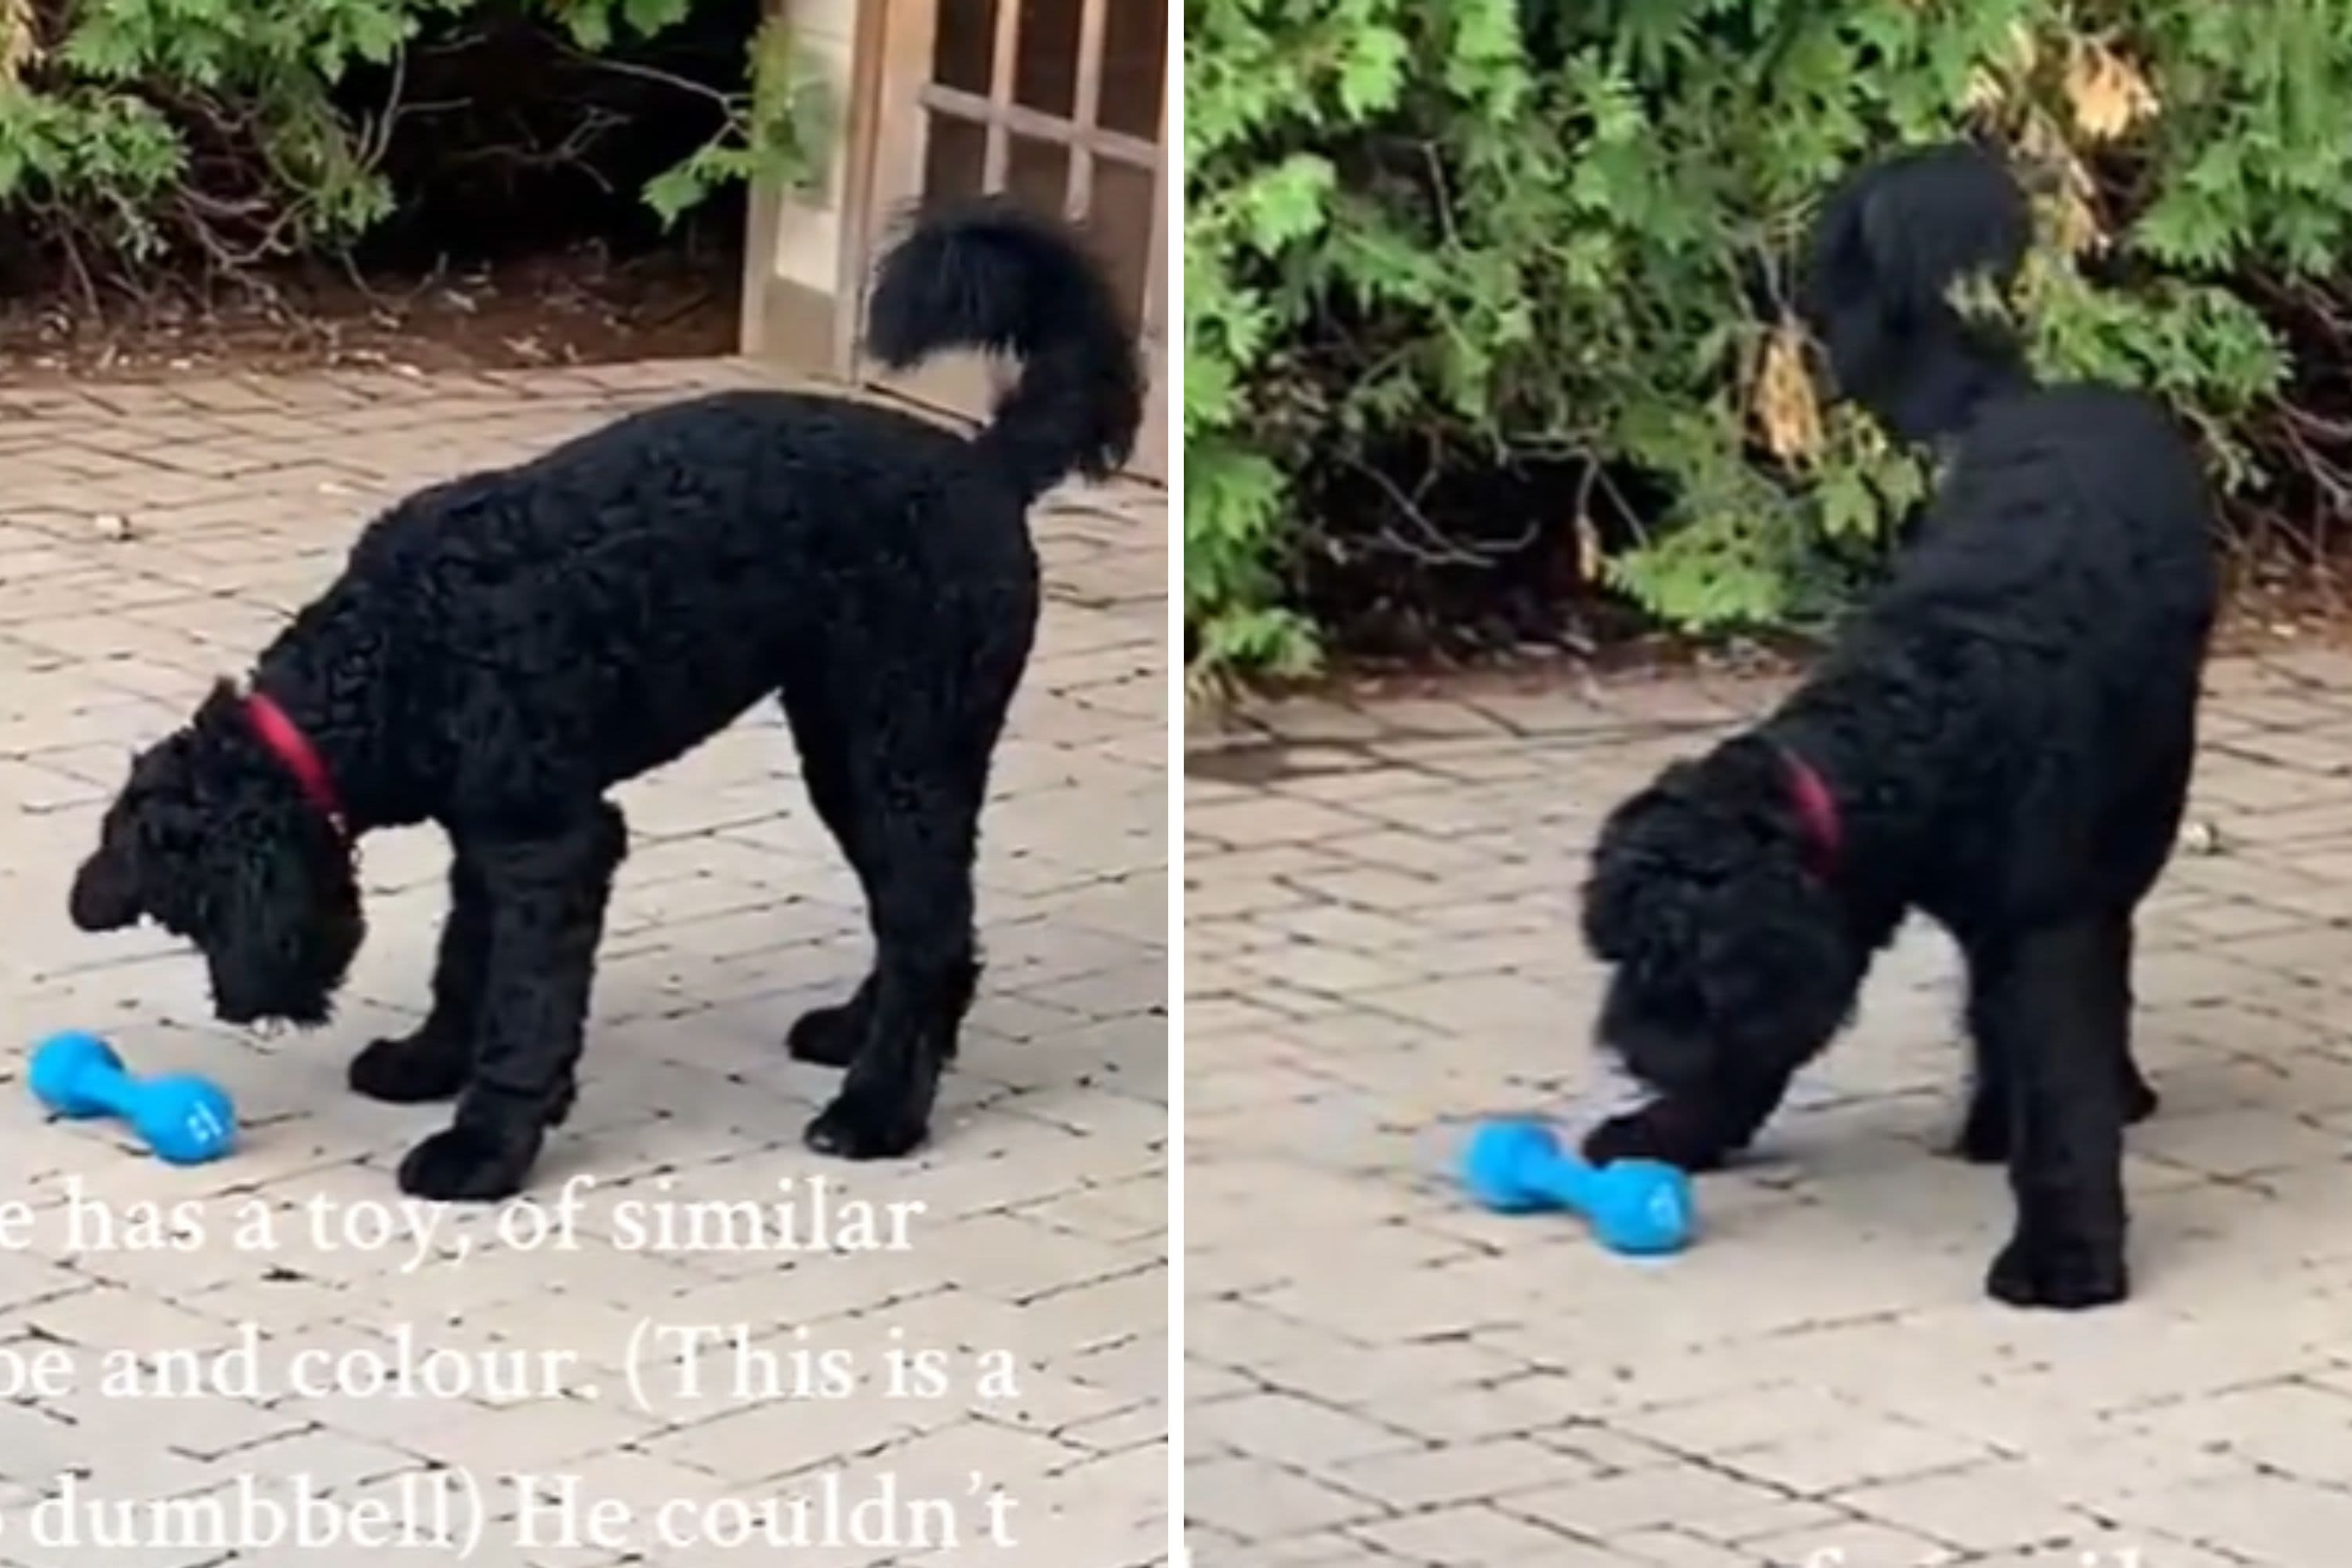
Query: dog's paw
[
  {"x": 2066, "y": 1272},
  {"x": 1656, "y": 1132},
  {"x": 468, "y": 1164},
  {"x": 2140, "y": 1102},
  {"x": 827, "y": 1036},
  {"x": 410, "y": 1071},
  {"x": 864, "y": 1127}
]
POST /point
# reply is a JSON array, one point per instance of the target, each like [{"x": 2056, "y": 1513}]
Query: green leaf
[
  {"x": 647, "y": 17},
  {"x": 1285, "y": 204},
  {"x": 675, "y": 190},
  {"x": 1372, "y": 72},
  {"x": 590, "y": 23}
]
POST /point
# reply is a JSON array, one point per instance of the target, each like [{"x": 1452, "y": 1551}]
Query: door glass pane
[
  {"x": 1046, "y": 68},
  {"x": 964, "y": 47},
  {"x": 1135, "y": 62},
  {"x": 1038, "y": 174},
  {"x": 955, "y": 162}
]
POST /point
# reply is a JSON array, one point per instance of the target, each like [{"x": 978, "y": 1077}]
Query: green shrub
[
  {"x": 136, "y": 131},
  {"x": 1501, "y": 231}
]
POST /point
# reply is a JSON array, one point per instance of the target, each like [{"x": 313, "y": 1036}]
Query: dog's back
[
  {"x": 649, "y": 582},
  {"x": 2071, "y": 503},
  {"x": 615, "y": 601}
]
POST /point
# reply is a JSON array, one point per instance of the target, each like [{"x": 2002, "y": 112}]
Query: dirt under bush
[{"x": 519, "y": 239}]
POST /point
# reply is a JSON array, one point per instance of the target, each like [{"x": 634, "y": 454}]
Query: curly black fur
[
  {"x": 2007, "y": 734},
  {"x": 501, "y": 650},
  {"x": 993, "y": 276}
]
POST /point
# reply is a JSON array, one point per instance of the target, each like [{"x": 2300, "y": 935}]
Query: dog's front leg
[
  {"x": 2057, "y": 1003},
  {"x": 1986, "y": 1125},
  {"x": 1984, "y": 1137},
  {"x": 432, "y": 1062},
  {"x": 547, "y": 894}
]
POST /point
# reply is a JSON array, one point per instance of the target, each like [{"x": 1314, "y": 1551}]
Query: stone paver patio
[
  {"x": 1043, "y": 1234},
  {"x": 1381, "y": 947}
]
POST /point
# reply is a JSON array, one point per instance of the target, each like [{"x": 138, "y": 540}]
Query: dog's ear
[
  {"x": 106, "y": 890},
  {"x": 1629, "y": 895},
  {"x": 1650, "y": 866},
  {"x": 147, "y": 829},
  {"x": 1775, "y": 963},
  {"x": 1639, "y": 911},
  {"x": 284, "y": 913}
]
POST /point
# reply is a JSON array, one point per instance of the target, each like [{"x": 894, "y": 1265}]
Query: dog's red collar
[
  {"x": 1816, "y": 809},
  {"x": 286, "y": 741}
]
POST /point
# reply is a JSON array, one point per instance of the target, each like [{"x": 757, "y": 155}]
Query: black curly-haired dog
[
  {"x": 2001, "y": 740},
  {"x": 503, "y": 650}
]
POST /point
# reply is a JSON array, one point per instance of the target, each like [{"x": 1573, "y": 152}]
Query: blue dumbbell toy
[
  {"x": 184, "y": 1118},
  {"x": 1637, "y": 1207}
]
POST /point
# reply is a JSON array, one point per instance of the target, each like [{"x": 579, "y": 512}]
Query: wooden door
[{"x": 1064, "y": 104}]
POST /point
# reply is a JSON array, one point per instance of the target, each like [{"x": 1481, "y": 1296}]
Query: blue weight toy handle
[
  {"x": 1635, "y": 1207},
  {"x": 1567, "y": 1175}
]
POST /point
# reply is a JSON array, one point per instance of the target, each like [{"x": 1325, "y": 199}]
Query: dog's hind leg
[
  {"x": 918, "y": 831},
  {"x": 830, "y": 1035},
  {"x": 1984, "y": 1130},
  {"x": 2145, "y": 828},
  {"x": 546, "y": 895},
  {"x": 432, "y": 1062},
  {"x": 2056, "y": 1003},
  {"x": 2141, "y": 1100}
]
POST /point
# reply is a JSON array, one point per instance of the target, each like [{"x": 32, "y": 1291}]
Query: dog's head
[
  {"x": 1732, "y": 963},
  {"x": 212, "y": 841}
]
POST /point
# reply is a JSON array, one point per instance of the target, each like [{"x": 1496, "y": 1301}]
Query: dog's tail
[
  {"x": 1889, "y": 245},
  {"x": 989, "y": 276}
]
